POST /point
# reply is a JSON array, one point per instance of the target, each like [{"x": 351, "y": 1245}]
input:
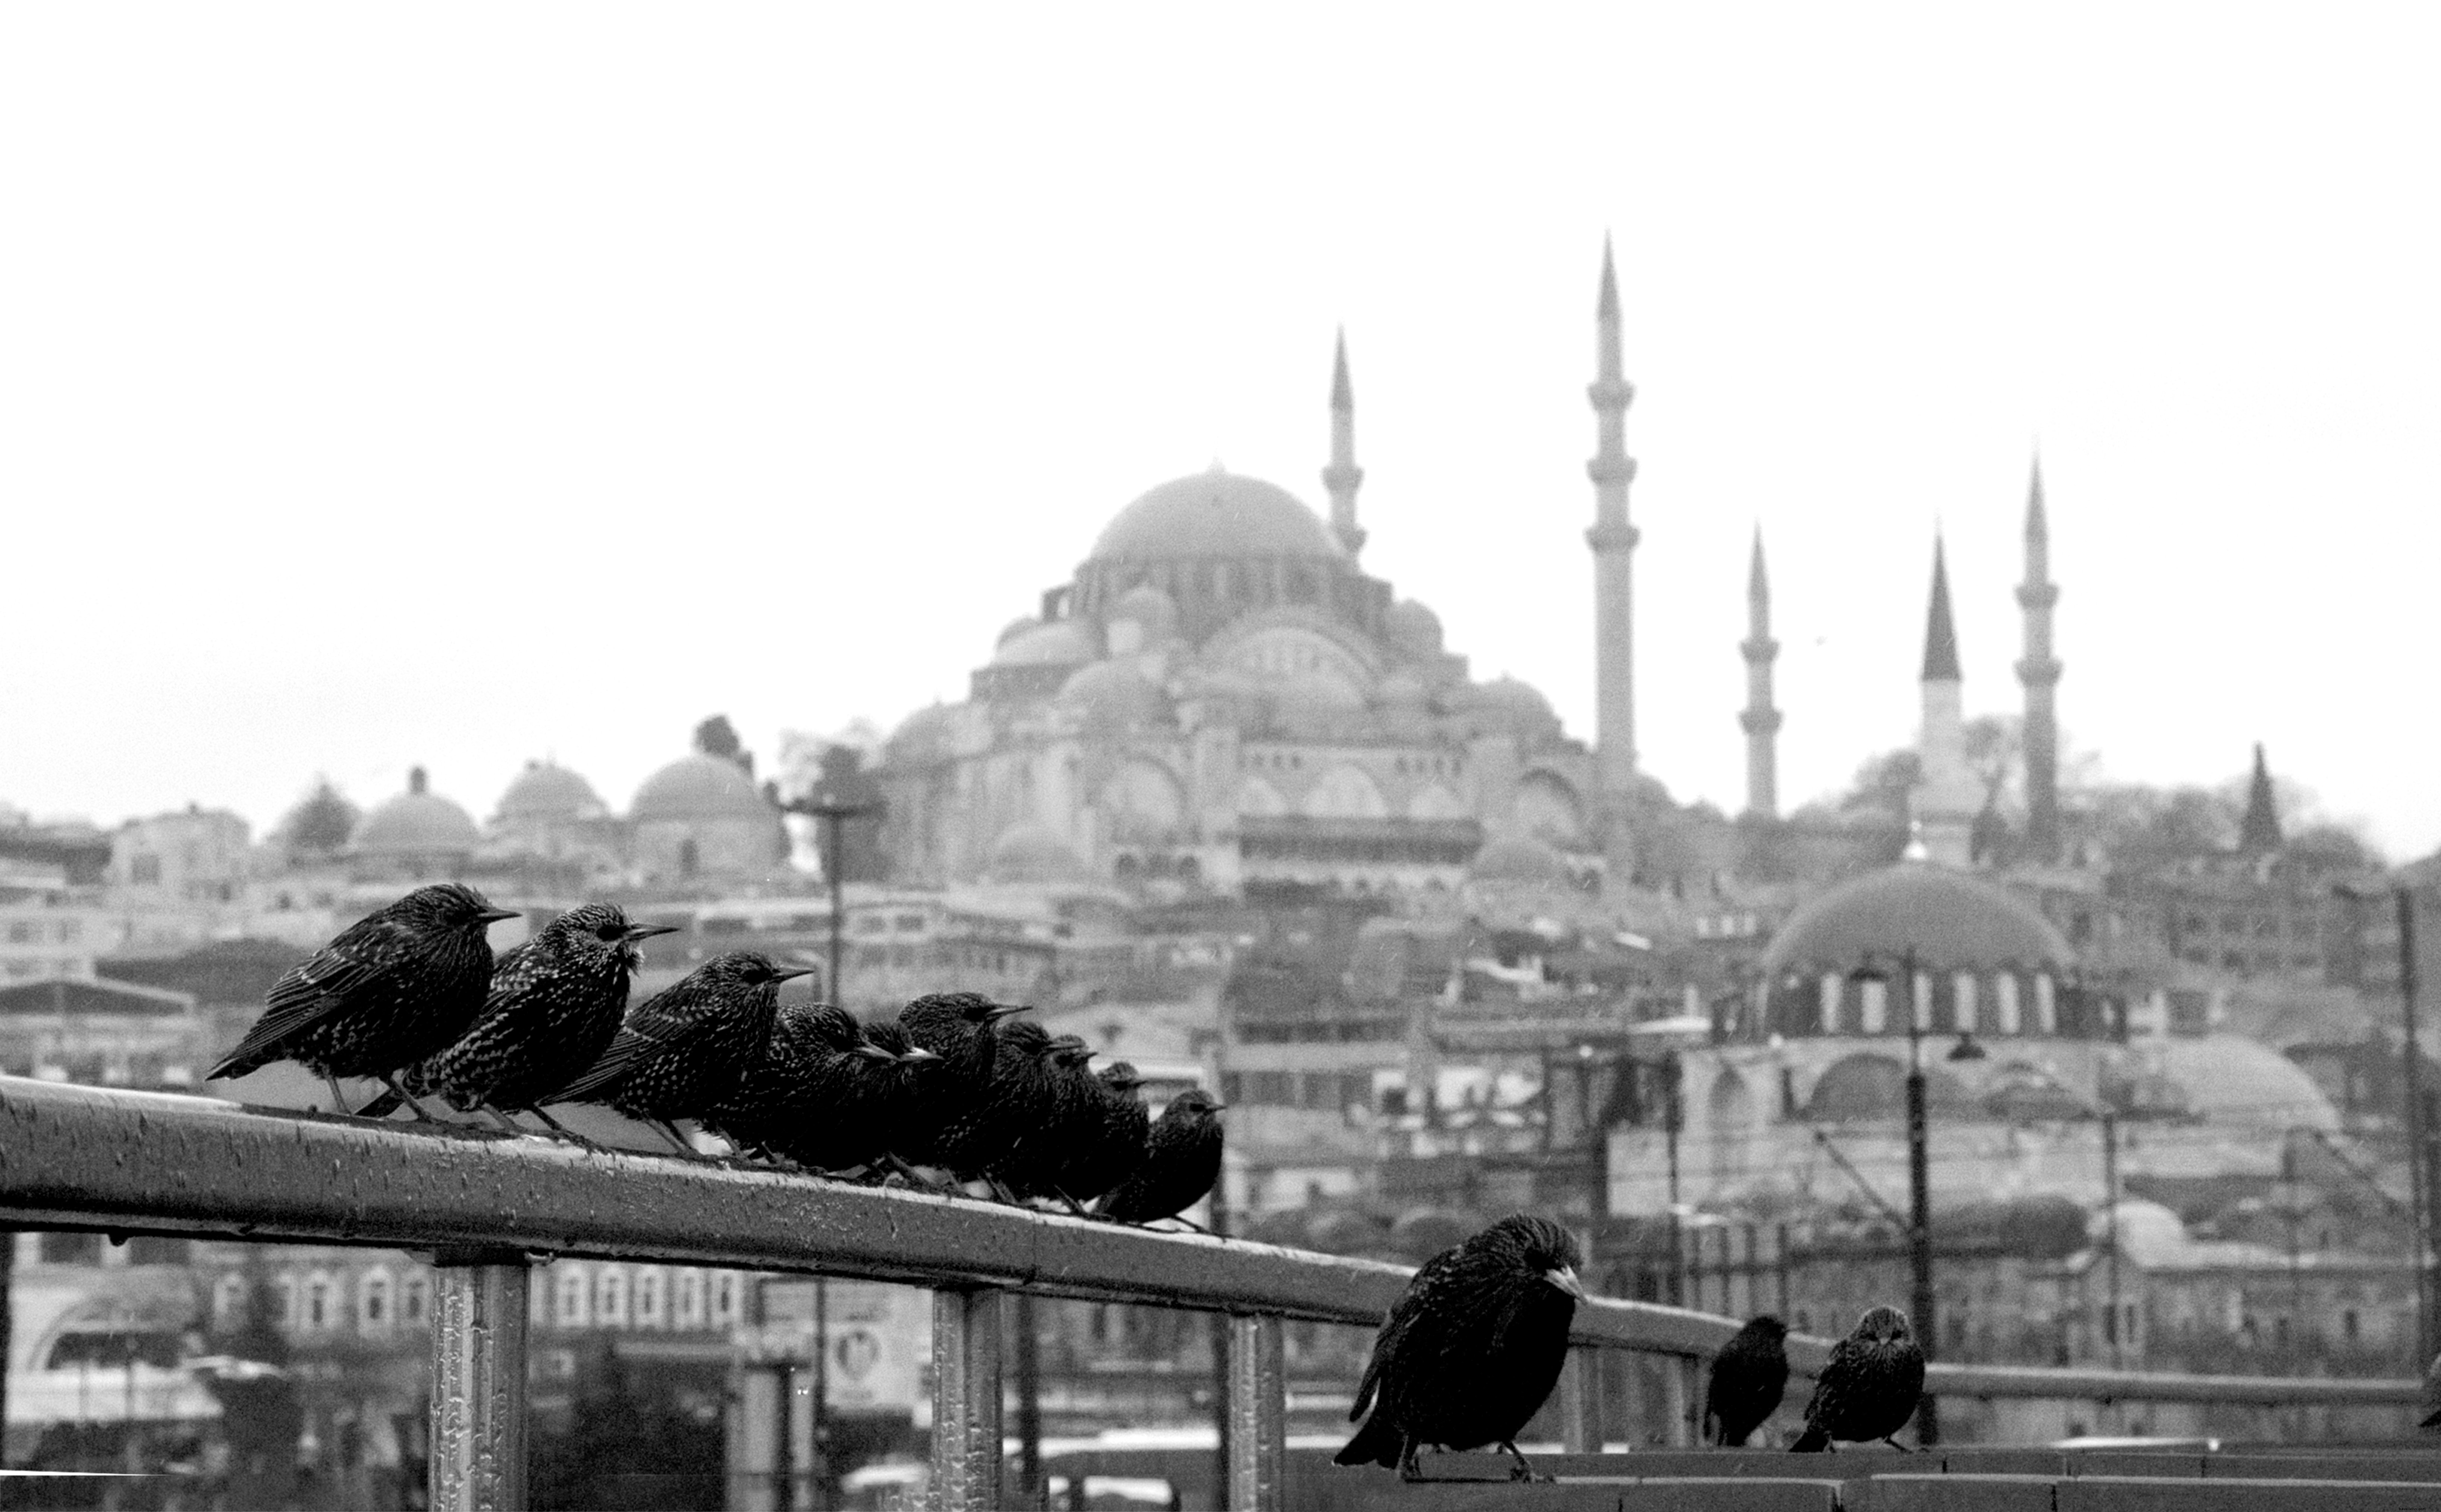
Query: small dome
[
  {"x": 2147, "y": 1231},
  {"x": 1060, "y": 643},
  {"x": 1413, "y": 629},
  {"x": 416, "y": 823},
  {"x": 546, "y": 790},
  {"x": 2232, "y": 1080},
  {"x": 697, "y": 787},
  {"x": 1115, "y": 694},
  {"x": 924, "y": 736},
  {"x": 1216, "y": 514},
  {"x": 1149, "y": 607},
  {"x": 1517, "y": 700},
  {"x": 1027, "y": 852},
  {"x": 1954, "y": 921},
  {"x": 1519, "y": 860},
  {"x": 1403, "y": 690},
  {"x": 1017, "y": 627}
]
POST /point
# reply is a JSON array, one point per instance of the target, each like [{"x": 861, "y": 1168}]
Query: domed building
[
  {"x": 418, "y": 835},
  {"x": 702, "y": 818},
  {"x": 1221, "y": 697},
  {"x": 552, "y": 815}
]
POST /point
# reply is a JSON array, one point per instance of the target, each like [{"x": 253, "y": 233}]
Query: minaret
[
  {"x": 1342, "y": 475},
  {"x": 1760, "y": 721},
  {"x": 1613, "y": 540},
  {"x": 1947, "y": 797},
  {"x": 2039, "y": 671},
  {"x": 2258, "y": 833}
]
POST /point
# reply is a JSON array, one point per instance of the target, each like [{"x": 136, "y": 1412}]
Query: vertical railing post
[
  {"x": 1679, "y": 1390},
  {"x": 1581, "y": 1401},
  {"x": 965, "y": 1400},
  {"x": 479, "y": 1381},
  {"x": 1258, "y": 1406},
  {"x": 1631, "y": 1402}
]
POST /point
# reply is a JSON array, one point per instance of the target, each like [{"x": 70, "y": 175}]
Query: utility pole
[
  {"x": 2111, "y": 1197},
  {"x": 2421, "y": 1172},
  {"x": 1927, "y": 1414}
]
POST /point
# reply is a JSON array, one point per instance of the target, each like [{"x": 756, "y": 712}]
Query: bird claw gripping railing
[{"x": 78, "y": 1158}]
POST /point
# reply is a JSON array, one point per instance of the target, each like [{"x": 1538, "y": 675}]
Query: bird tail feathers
[
  {"x": 1813, "y": 1441},
  {"x": 1375, "y": 1443},
  {"x": 381, "y": 1107}
]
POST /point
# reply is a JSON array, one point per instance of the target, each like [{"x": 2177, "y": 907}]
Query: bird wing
[
  {"x": 1848, "y": 1359},
  {"x": 671, "y": 1018},
  {"x": 1412, "y": 1304},
  {"x": 315, "y": 989}
]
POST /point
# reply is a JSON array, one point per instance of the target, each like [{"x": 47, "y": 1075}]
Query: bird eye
[{"x": 609, "y": 932}]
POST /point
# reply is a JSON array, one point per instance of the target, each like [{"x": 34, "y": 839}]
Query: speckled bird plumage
[
  {"x": 1749, "y": 1376},
  {"x": 684, "y": 1049},
  {"x": 964, "y": 1030},
  {"x": 830, "y": 1093},
  {"x": 1182, "y": 1161},
  {"x": 389, "y": 990},
  {"x": 555, "y": 1005},
  {"x": 1470, "y": 1351},
  {"x": 1869, "y": 1387}
]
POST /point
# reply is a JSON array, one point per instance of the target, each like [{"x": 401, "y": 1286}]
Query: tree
[
  {"x": 1882, "y": 785},
  {"x": 317, "y": 828},
  {"x": 1996, "y": 752},
  {"x": 260, "y": 1415},
  {"x": 718, "y": 737}
]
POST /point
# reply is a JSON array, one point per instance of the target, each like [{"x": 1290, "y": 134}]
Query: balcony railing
[{"x": 488, "y": 1205}]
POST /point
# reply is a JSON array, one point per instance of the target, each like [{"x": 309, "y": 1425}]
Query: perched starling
[
  {"x": 1015, "y": 1124},
  {"x": 2427, "y": 1407},
  {"x": 1109, "y": 1143},
  {"x": 1871, "y": 1387},
  {"x": 828, "y": 1094},
  {"x": 393, "y": 988},
  {"x": 555, "y": 1005},
  {"x": 1468, "y": 1353},
  {"x": 1182, "y": 1161},
  {"x": 1748, "y": 1376},
  {"x": 685, "y": 1048},
  {"x": 963, "y": 1028}
]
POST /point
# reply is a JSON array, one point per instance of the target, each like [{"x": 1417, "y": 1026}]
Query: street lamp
[{"x": 1927, "y": 1416}]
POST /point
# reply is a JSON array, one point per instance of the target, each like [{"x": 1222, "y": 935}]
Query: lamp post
[
  {"x": 2423, "y": 1169},
  {"x": 831, "y": 810},
  {"x": 1921, "y": 1309}
]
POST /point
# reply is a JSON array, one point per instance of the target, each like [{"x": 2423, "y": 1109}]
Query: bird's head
[
  {"x": 1027, "y": 1039},
  {"x": 827, "y": 1025},
  {"x": 452, "y": 906},
  {"x": 1883, "y": 1326},
  {"x": 1068, "y": 1051},
  {"x": 1541, "y": 1248},
  {"x": 1765, "y": 1325},
  {"x": 595, "y": 928},
  {"x": 1193, "y": 1105},
  {"x": 1120, "y": 1077},
  {"x": 749, "y": 969},
  {"x": 887, "y": 1041}
]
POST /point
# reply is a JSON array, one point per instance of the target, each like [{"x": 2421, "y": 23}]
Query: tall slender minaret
[
  {"x": 1613, "y": 540},
  {"x": 2039, "y": 671},
  {"x": 1947, "y": 797},
  {"x": 1760, "y": 720},
  {"x": 1342, "y": 475}
]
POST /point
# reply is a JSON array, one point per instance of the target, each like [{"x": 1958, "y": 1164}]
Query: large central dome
[{"x": 1215, "y": 515}]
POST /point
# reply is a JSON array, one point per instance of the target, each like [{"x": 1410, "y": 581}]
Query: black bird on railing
[
  {"x": 389, "y": 989},
  {"x": 1467, "y": 1355},
  {"x": 1871, "y": 1387},
  {"x": 684, "y": 1049},
  {"x": 830, "y": 1093},
  {"x": 555, "y": 1005},
  {"x": 1111, "y": 1136},
  {"x": 1182, "y": 1161},
  {"x": 964, "y": 1029},
  {"x": 1750, "y": 1376}
]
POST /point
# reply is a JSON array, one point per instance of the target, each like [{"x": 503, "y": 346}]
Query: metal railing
[{"x": 488, "y": 1205}]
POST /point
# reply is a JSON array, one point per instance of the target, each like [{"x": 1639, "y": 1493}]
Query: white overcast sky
[{"x": 460, "y": 384}]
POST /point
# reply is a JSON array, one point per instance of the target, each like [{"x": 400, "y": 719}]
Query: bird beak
[
  {"x": 496, "y": 915},
  {"x": 1002, "y": 1010},
  {"x": 646, "y": 931},
  {"x": 1565, "y": 1279},
  {"x": 918, "y": 1055},
  {"x": 793, "y": 975},
  {"x": 875, "y": 1053},
  {"x": 1215, "y": 1108}
]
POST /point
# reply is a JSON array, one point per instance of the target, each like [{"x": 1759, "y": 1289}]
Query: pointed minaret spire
[
  {"x": 2258, "y": 833},
  {"x": 1343, "y": 475},
  {"x": 1613, "y": 540},
  {"x": 1760, "y": 720},
  {"x": 2040, "y": 671},
  {"x": 1948, "y": 798}
]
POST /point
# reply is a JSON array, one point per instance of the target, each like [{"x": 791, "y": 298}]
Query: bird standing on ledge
[
  {"x": 1750, "y": 1376},
  {"x": 684, "y": 1049},
  {"x": 1871, "y": 1387},
  {"x": 389, "y": 989},
  {"x": 1470, "y": 1351},
  {"x": 1181, "y": 1163}
]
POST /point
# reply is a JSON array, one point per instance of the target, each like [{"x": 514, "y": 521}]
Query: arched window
[
  {"x": 319, "y": 1313},
  {"x": 414, "y": 1301},
  {"x": 725, "y": 1296},
  {"x": 228, "y": 1300},
  {"x": 286, "y": 1288},
  {"x": 374, "y": 1314},
  {"x": 652, "y": 1296},
  {"x": 610, "y": 1297},
  {"x": 575, "y": 1296},
  {"x": 687, "y": 1310}
]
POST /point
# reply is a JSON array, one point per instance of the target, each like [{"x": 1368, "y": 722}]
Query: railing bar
[
  {"x": 477, "y": 1455},
  {"x": 965, "y": 1400},
  {"x": 1581, "y": 1400},
  {"x": 1257, "y": 1414}
]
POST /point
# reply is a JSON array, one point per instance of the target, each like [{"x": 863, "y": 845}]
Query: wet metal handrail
[{"x": 491, "y": 1203}]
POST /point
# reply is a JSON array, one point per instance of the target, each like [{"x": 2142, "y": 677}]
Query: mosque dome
[
  {"x": 1216, "y": 514},
  {"x": 546, "y": 791},
  {"x": 1016, "y": 628},
  {"x": 1027, "y": 852},
  {"x": 1414, "y": 630},
  {"x": 697, "y": 787},
  {"x": 1513, "y": 699},
  {"x": 416, "y": 823},
  {"x": 1953, "y": 920},
  {"x": 1114, "y": 693},
  {"x": 2230, "y": 1079},
  {"x": 924, "y": 736},
  {"x": 1520, "y": 859},
  {"x": 1060, "y": 643}
]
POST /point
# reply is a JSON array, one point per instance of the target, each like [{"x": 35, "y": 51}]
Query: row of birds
[
  {"x": 1472, "y": 1348},
  {"x": 411, "y": 996}
]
